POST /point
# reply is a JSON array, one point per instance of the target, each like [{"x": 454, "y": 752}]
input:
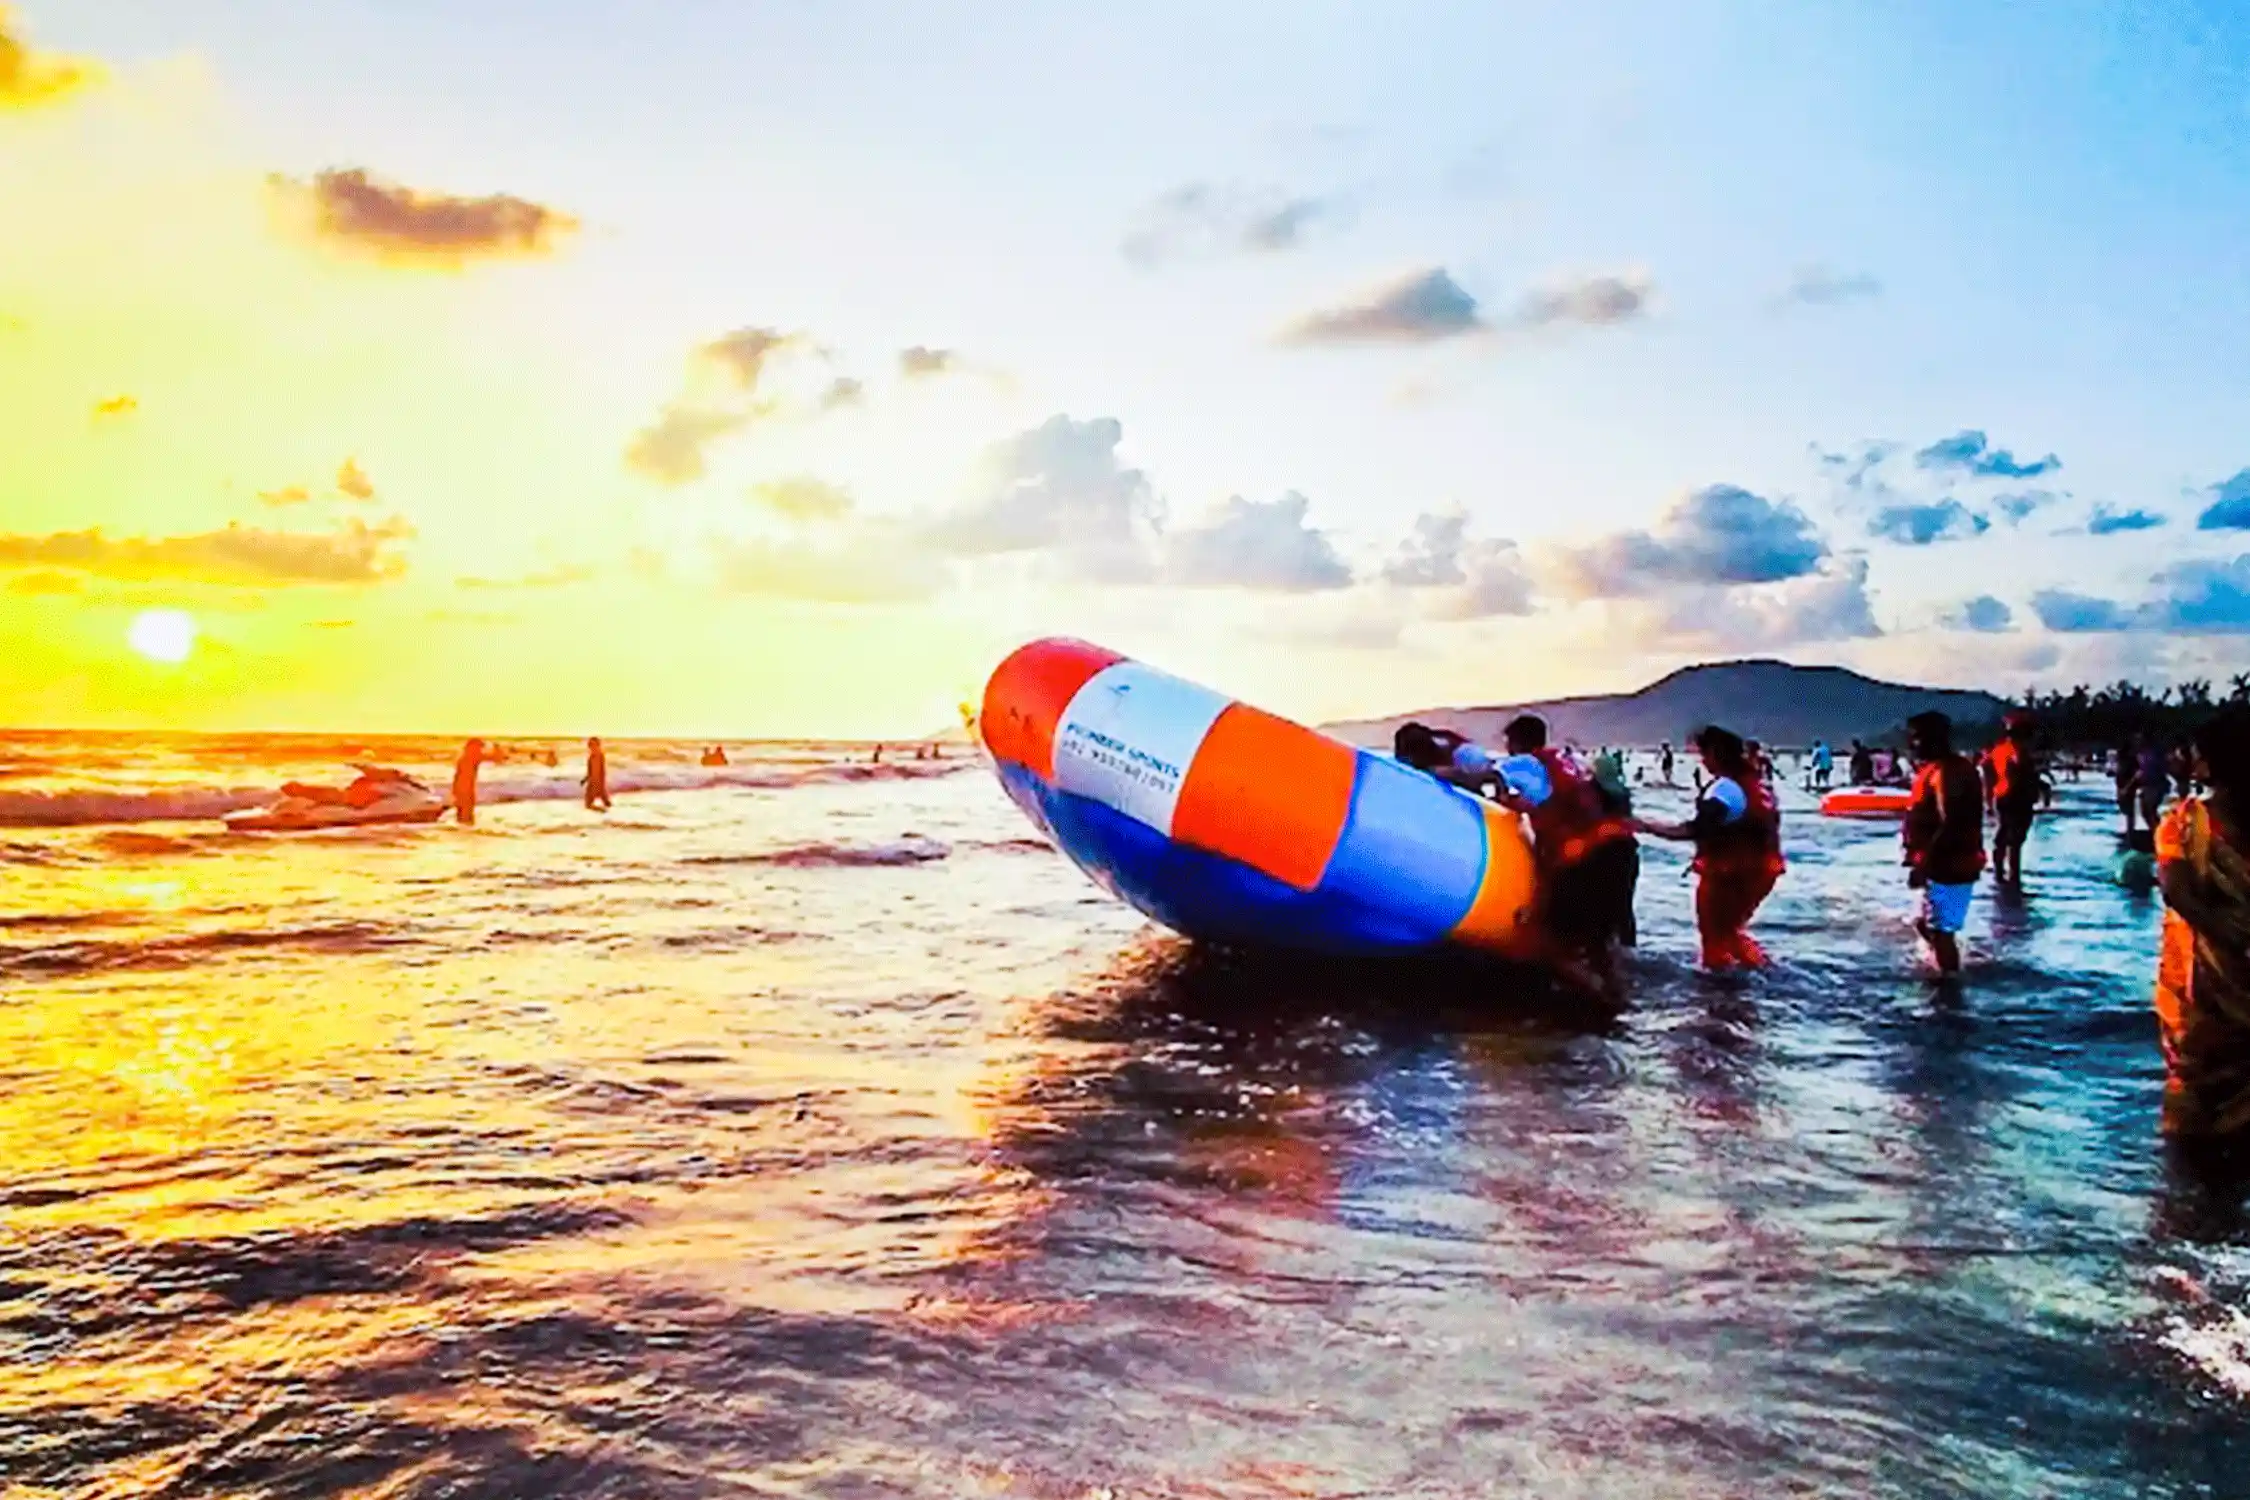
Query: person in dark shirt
[{"x": 1944, "y": 836}]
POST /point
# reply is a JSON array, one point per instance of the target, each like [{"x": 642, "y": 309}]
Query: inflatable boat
[
  {"x": 1228, "y": 824},
  {"x": 1867, "y": 802}
]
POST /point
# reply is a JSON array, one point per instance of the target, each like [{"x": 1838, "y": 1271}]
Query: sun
[{"x": 162, "y": 634}]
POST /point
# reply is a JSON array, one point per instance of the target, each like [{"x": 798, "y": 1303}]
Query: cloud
[
  {"x": 2107, "y": 521},
  {"x": 741, "y": 357},
  {"x": 1970, "y": 452},
  {"x": 292, "y": 494},
  {"x": 2230, "y": 505},
  {"x": 403, "y": 226},
  {"x": 1248, "y": 544},
  {"x": 1822, "y": 286},
  {"x": 1592, "y": 301},
  {"x": 1204, "y": 219},
  {"x": 2019, "y": 505},
  {"x": 1718, "y": 535},
  {"x": 801, "y": 497},
  {"x": 872, "y": 565},
  {"x": 352, "y": 553},
  {"x": 920, "y": 363},
  {"x": 1418, "y": 309},
  {"x": 2068, "y": 612},
  {"x": 562, "y": 576},
  {"x": 334, "y": 624},
  {"x": 35, "y": 80},
  {"x": 352, "y": 482},
  {"x": 842, "y": 391},
  {"x": 1058, "y": 488},
  {"x": 1465, "y": 578},
  {"x": 1921, "y": 525},
  {"x": 720, "y": 398},
  {"x": 46, "y": 584},
  {"x": 116, "y": 406},
  {"x": 1830, "y": 605},
  {"x": 1983, "y": 614},
  {"x": 2204, "y": 598},
  {"x": 670, "y": 449}
]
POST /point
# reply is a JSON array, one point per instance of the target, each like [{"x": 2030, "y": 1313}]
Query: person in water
[
  {"x": 2152, "y": 779},
  {"x": 2013, "y": 788},
  {"x": 1586, "y": 861},
  {"x": 2124, "y": 767},
  {"x": 1736, "y": 831},
  {"x": 1823, "y": 766},
  {"x": 1862, "y": 768},
  {"x": 1665, "y": 762},
  {"x": 597, "y": 776},
  {"x": 1943, "y": 836},
  {"x": 2203, "y": 976},
  {"x": 465, "y": 781},
  {"x": 1448, "y": 756}
]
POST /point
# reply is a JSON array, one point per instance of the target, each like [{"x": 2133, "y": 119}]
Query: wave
[
  {"x": 910, "y": 850},
  {"x": 70, "y": 808},
  {"x": 95, "y": 956}
]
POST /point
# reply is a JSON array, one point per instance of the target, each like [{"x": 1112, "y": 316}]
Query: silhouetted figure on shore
[
  {"x": 597, "y": 776},
  {"x": 465, "y": 781}
]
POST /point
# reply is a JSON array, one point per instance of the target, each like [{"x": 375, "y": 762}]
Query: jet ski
[{"x": 377, "y": 795}]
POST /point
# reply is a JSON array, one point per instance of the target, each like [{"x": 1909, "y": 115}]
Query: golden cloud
[
  {"x": 403, "y": 226},
  {"x": 802, "y": 497},
  {"x": 32, "y": 80},
  {"x": 352, "y": 482},
  {"x": 288, "y": 494},
  {"x": 353, "y": 553},
  {"x": 120, "y": 405}
]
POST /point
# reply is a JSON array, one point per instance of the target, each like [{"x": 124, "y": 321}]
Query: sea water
[{"x": 806, "y": 1127}]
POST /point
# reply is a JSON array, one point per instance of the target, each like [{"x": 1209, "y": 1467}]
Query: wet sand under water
[{"x": 834, "y": 1139}]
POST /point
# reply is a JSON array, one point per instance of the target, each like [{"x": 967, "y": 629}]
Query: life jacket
[
  {"x": 1952, "y": 856},
  {"x": 1575, "y": 820},
  {"x": 1750, "y": 846}
]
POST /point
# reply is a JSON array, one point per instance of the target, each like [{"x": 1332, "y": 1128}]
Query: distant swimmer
[
  {"x": 597, "y": 776},
  {"x": 1944, "y": 836},
  {"x": 1664, "y": 762},
  {"x": 715, "y": 756},
  {"x": 877, "y": 759},
  {"x": 1736, "y": 831},
  {"x": 465, "y": 781}
]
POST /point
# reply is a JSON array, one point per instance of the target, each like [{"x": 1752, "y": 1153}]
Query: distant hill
[{"x": 1772, "y": 701}]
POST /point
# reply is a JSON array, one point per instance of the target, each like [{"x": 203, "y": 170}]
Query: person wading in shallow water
[
  {"x": 1944, "y": 836},
  {"x": 2203, "y": 976},
  {"x": 1736, "y": 831},
  {"x": 597, "y": 776},
  {"x": 465, "y": 781}
]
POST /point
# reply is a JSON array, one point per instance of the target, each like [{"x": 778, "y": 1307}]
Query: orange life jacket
[{"x": 1574, "y": 821}]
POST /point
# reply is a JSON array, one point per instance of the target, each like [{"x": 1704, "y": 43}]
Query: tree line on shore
[{"x": 2094, "y": 719}]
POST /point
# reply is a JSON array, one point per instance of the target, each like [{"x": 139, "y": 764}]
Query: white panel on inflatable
[{"x": 1128, "y": 737}]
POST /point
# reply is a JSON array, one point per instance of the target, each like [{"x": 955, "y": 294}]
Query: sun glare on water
[{"x": 162, "y": 634}]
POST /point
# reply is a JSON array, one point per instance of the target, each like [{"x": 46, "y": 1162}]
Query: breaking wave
[{"x": 74, "y": 807}]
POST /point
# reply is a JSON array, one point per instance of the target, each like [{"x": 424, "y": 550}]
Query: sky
[{"x": 717, "y": 368}]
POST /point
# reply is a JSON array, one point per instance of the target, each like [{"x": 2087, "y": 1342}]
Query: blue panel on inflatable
[{"x": 1209, "y": 896}]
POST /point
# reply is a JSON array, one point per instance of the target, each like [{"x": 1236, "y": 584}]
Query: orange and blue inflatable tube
[{"x": 1229, "y": 824}]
